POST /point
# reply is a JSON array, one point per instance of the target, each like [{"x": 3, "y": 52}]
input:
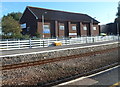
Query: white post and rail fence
[{"x": 23, "y": 44}]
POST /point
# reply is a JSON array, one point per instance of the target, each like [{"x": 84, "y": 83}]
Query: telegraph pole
[{"x": 43, "y": 23}]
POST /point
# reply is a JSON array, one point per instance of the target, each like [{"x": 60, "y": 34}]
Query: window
[
  {"x": 28, "y": 28},
  {"x": 46, "y": 29},
  {"x": 46, "y": 26},
  {"x": 73, "y": 27},
  {"x": 84, "y": 28},
  {"x": 61, "y": 27},
  {"x": 94, "y": 28},
  {"x": 23, "y": 25}
]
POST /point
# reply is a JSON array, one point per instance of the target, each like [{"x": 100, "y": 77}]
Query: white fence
[{"x": 22, "y": 44}]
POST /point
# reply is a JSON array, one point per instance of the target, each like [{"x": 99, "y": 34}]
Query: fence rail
[{"x": 22, "y": 44}]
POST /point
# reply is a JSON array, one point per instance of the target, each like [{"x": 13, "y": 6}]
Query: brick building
[
  {"x": 54, "y": 23},
  {"x": 110, "y": 29}
]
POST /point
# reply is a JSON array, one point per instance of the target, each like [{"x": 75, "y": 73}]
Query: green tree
[
  {"x": 118, "y": 13},
  {"x": 16, "y": 15},
  {"x": 10, "y": 27},
  {"x": 117, "y": 20}
]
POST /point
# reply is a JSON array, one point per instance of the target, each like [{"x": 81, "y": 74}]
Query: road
[
  {"x": 30, "y": 50},
  {"x": 107, "y": 78}
]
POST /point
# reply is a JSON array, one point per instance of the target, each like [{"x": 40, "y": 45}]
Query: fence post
[
  {"x": 48, "y": 42},
  {"x": 43, "y": 43},
  {"x": 86, "y": 39},
  {"x": 30, "y": 43},
  {"x": 93, "y": 40},
  {"x": 65, "y": 41},
  {"x": 19, "y": 42},
  {"x": 113, "y": 38},
  {"x": 69, "y": 41},
  {"x": 117, "y": 37},
  {"x": 40, "y": 42},
  {"x": 7, "y": 44}
]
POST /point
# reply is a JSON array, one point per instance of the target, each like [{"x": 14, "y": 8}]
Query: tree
[
  {"x": 117, "y": 20},
  {"x": 16, "y": 16},
  {"x": 118, "y": 13},
  {"x": 10, "y": 27}
]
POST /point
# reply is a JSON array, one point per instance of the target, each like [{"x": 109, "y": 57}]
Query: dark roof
[{"x": 60, "y": 15}]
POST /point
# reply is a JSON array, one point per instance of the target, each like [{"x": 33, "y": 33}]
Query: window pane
[
  {"x": 23, "y": 25},
  {"x": 94, "y": 28},
  {"x": 46, "y": 26},
  {"x": 46, "y": 29},
  {"x": 73, "y": 27},
  {"x": 84, "y": 28},
  {"x": 61, "y": 27}
]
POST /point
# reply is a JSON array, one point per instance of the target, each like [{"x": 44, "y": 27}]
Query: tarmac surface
[{"x": 108, "y": 78}]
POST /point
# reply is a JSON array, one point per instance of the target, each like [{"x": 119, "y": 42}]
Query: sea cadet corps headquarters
[{"x": 53, "y": 23}]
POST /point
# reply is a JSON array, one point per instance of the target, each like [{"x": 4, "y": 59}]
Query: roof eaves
[
  {"x": 60, "y": 11},
  {"x": 32, "y": 12},
  {"x": 92, "y": 18},
  {"x": 57, "y": 10},
  {"x": 21, "y": 16}
]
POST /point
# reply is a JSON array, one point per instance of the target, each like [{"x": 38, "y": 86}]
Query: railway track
[
  {"x": 54, "y": 63},
  {"x": 45, "y": 61}
]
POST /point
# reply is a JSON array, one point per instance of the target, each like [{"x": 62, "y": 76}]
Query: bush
[
  {"x": 38, "y": 35},
  {"x": 15, "y": 36},
  {"x": 25, "y": 37}
]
